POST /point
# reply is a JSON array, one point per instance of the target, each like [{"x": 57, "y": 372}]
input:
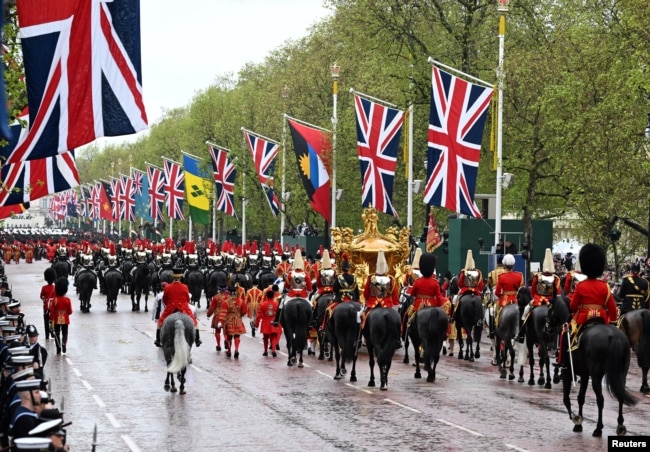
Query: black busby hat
[
  {"x": 427, "y": 264},
  {"x": 61, "y": 286},
  {"x": 592, "y": 260},
  {"x": 49, "y": 275}
]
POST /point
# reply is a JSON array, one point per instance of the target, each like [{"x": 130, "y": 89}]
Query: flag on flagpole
[
  {"x": 127, "y": 198},
  {"x": 264, "y": 152},
  {"x": 312, "y": 146},
  {"x": 197, "y": 189},
  {"x": 106, "y": 199},
  {"x": 456, "y": 123},
  {"x": 141, "y": 194},
  {"x": 433, "y": 236},
  {"x": 156, "y": 191},
  {"x": 174, "y": 189},
  {"x": 272, "y": 198},
  {"x": 224, "y": 175}
]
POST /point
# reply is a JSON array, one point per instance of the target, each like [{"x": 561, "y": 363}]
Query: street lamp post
[
  {"x": 335, "y": 69},
  {"x": 285, "y": 97},
  {"x": 646, "y": 133},
  {"x": 502, "y": 8}
]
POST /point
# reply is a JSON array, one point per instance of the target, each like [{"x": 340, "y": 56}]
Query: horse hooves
[
  {"x": 477, "y": 355},
  {"x": 337, "y": 376},
  {"x": 344, "y": 371},
  {"x": 384, "y": 388},
  {"x": 541, "y": 381},
  {"x": 300, "y": 365},
  {"x": 405, "y": 360},
  {"x": 460, "y": 355},
  {"x": 470, "y": 359},
  {"x": 531, "y": 382},
  {"x": 371, "y": 384},
  {"x": 547, "y": 385},
  {"x": 520, "y": 380},
  {"x": 173, "y": 389},
  {"x": 330, "y": 359},
  {"x": 431, "y": 379},
  {"x": 444, "y": 350},
  {"x": 621, "y": 430},
  {"x": 511, "y": 377},
  {"x": 146, "y": 309},
  {"x": 167, "y": 388},
  {"x": 353, "y": 378},
  {"x": 503, "y": 374},
  {"x": 645, "y": 389},
  {"x": 577, "y": 428},
  {"x": 321, "y": 358},
  {"x": 577, "y": 420},
  {"x": 182, "y": 391},
  {"x": 598, "y": 433},
  {"x": 556, "y": 379},
  {"x": 418, "y": 375}
]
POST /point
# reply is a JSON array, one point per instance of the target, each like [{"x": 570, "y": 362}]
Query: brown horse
[{"x": 636, "y": 326}]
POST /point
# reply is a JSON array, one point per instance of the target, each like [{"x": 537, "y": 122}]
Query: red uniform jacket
[
  {"x": 426, "y": 292},
  {"x": 593, "y": 298},
  {"x": 266, "y": 315},
  {"x": 293, "y": 293},
  {"x": 60, "y": 310},
  {"x": 388, "y": 301},
  {"x": 48, "y": 293},
  {"x": 232, "y": 309},
  {"x": 539, "y": 299},
  {"x": 508, "y": 284},
  {"x": 462, "y": 290},
  {"x": 282, "y": 269},
  {"x": 253, "y": 297},
  {"x": 176, "y": 297},
  {"x": 215, "y": 308}
]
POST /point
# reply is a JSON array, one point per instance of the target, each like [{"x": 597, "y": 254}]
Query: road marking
[
  {"x": 129, "y": 442},
  {"x": 367, "y": 391},
  {"x": 69, "y": 361},
  {"x": 99, "y": 401},
  {"x": 198, "y": 369},
  {"x": 87, "y": 385},
  {"x": 324, "y": 374},
  {"x": 460, "y": 427},
  {"x": 402, "y": 406},
  {"x": 511, "y": 446},
  {"x": 76, "y": 372},
  {"x": 113, "y": 420}
]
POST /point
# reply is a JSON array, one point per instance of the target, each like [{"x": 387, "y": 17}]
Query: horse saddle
[{"x": 577, "y": 331}]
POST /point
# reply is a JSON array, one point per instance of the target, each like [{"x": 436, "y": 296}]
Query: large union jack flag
[
  {"x": 224, "y": 175},
  {"x": 156, "y": 191},
  {"x": 127, "y": 198},
  {"x": 264, "y": 152},
  {"x": 174, "y": 189},
  {"x": 456, "y": 122},
  {"x": 379, "y": 129}
]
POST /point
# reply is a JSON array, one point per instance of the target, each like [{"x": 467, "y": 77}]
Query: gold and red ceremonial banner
[{"x": 433, "y": 236}]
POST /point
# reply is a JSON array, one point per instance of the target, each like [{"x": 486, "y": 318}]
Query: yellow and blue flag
[{"x": 198, "y": 186}]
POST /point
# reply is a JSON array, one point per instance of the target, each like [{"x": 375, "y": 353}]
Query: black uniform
[
  {"x": 345, "y": 284},
  {"x": 634, "y": 293}
]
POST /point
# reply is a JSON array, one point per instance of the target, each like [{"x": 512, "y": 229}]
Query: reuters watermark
[{"x": 628, "y": 443}]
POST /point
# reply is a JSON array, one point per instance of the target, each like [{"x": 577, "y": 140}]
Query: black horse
[
  {"x": 324, "y": 342},
  {"x": 215, "y": 279},
  {"x": 603, "y": 351},
  {"x": 405, "y": 302},
  {"x": 429, "y": 331},
  {"x": 636, "y": 326},
  {"x": 295, "y": 319},
  {"x": 141, "y": 282},
  {"x": 343, "y": 331},
  {"x": 470, "y": 318},
  {"x": 62, "y": 267},
  {"x": 113, "y": 282},
  {"x": 86, "y": 281},
  {"x": 381, "y": 331},
  {"x": 195, "y": 281},
  {"x": 177, "y": 337},
  {"x": 506, "y": 331},
  {"x": 126, "y": 267}
]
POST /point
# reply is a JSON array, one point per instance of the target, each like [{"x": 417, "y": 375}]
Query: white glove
[{"x": 219, "y": 325}]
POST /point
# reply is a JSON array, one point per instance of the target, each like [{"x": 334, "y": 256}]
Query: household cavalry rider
[
  {"x": 380, "y": 289},
  {"x": 426, "y": 289},
  {"x": 508, "y": 284},
  {"x": 470, "y": 281},
  {"x": 325, "y": 280},
  {"x": 413, "y": 273},
  {"x": 297, "y": 284},
  {"x": 634, "y": 291},
  {"x": 345, "y": 286},
  {"x": 544, "y": 288},
  {"x": 572, "y": 279},
  {"x": 493, "y": 278}
]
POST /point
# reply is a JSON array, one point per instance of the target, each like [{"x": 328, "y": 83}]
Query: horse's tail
[
  {"x": 351, "y": 335},
  {"x": 386, "y": 349},
  {"x": 181, "y": 349},
  {"x": 618, "y": 362},
  {"x": 642, "y": 349}
]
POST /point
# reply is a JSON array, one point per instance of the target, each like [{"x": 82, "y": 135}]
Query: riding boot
[
  {"x": 197, "y": 339},
  {"x": 157, "y": 341}
]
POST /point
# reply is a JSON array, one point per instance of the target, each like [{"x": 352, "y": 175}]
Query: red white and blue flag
[
  {"x": 127, "y": 198},
  {"x": 272, "y": 198},
  {"x": 156, "y": 191},
  {"x": 264, "y": 152},
  {"x": 224, "y": 175},
  {"x": 379, "y": 129},
  {"x": 174, "y": 189},
  {"x": 456, "y": 123}
]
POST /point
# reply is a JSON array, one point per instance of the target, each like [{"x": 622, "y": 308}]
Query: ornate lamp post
[
  {"x": 335, "y": 69},
  {"x": 646, "y": 133},
  {"x": 502, "y": 8},
  {"x": 285, "y": 97}
]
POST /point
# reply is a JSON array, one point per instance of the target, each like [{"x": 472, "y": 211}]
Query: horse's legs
[
  {"x": 383, "y": 370},
  {"x": 181, "y": 379},
  {"x": 406, "y": 347},
  {"x": 371, "y": 363},
  {"x": 353, "y": 373},
  {"x": 459, "y": 337},
  {"x": 146, "y": 301},
  {"x": 469, "y": 351},
  {"x": 337, "y": 358},
  {"x": 531, "y": 363},
  {"x": 478, "y": 330},
  {"x": 300, "y": 363},
  {"x": 167, "y": 386},
  {"x": 597, "y": 385},
  {"x": 644, "y": 381},
  {"x": 416, "y": 355},
  {"x": 511, "y": 349}
]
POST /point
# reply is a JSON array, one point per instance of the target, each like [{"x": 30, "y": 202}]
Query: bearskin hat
[
  {"x": 592, "y": 260},
  {"x": 61, "y": 286},
  {"x": 49, "y": 275},
  {"x": 635, "y": 267},
  {"x": 428, "y": 264}
]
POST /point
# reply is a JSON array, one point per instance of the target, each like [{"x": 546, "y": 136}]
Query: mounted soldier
[
  {"x": 324, "y": 283},
  {"x": 380, "y": 291},
  {"x": 634, "y": 291},
  {"x": 572, "y": 279},
  {"x": 297, "y": 284},
  {"x": 508, "y": 283},
  {"x": 470, "y": 281}
]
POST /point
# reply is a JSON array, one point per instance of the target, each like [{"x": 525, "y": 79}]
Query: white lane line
[
  {"x": 69, "y": 361},
  {"x": 99, "y": 401},
  {"x": 113, "y": 420},
  {"x": 460, "y": 427},
  {"x": 129, "y": 442},
  {"x": 367, "y": 391},
  {"x": 324, "y": 374},
  {"x": 147, "y": 333},
  {"x": 76, "y": 372},
  {"x": 402, "y": 406},
  {"x": 512, "y": 446},
  {"x": 198, "y": 369},
  {"x": 87, "y": 385}
]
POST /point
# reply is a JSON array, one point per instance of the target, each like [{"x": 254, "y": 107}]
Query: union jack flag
[
  {"x": 272, "y": 198},
  {"x": 224, "y": 178},
  {"x": 156, "y": 191},
  {"x": 456, "y": 122},
  {"x": 174, "y": 189},
  {"x": 115, "y": 197},
  {"x": 264, "y": 152},
  {"x": 378, "y": 136},
  {"x": 127, "y": 200},
  {"x": 86, "y": 202},
  {"x": 95, "y": 200}
]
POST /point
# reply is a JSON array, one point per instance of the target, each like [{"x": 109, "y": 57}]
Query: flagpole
[
  {"x": 189, "y": 232},
  {"x": 409, "y": 211},
  {"x": 285, "y": 97},
  {"x": 335, "y": 69},
  {"x": 243, "y": 210},
  {"x": 214, "y": 217},
  {"x": 502, "y": 8}
]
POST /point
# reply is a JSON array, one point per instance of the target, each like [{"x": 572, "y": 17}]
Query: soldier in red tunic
[
  {"x": 572, "y": 279},
  {"x": 324, "y": 285},
  {"x": 296, "y": 284},
  {"x": 253, "y": 297},
  {"x": 470, "y": 281},
  {"x": 380, "y": 290},
  {"x": 176, "y": 297},
  {"x": 233, "y": 307},
  {"x": 214, "y": 310},
  {"x": 508, "y": 283},
  {"x": 426, "y": 289},
  {"x": 283, "y": 268},
  {"x": 264, "y": 321},
  {"x": 592, "y": 299},
  {"x": 413, "y": 273}
]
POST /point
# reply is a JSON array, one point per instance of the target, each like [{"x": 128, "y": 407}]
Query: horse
[
  {"x": 325, "y": 344},
  {"x": 405, "y": 302},
  {"x": 381, "y": 331},
  {"x": 177, "y": 337},
  {"x": 537, "y": 334},
  {"x": 603, "y": 351},
  {"x": 195, "y": 281},
  {"x": 507, "y": 329},
  {"x": 343, "y": 331},
  {"x": 86, "y": 282},
  {"x": 126, "y": 267},
  {"x": 636, "y": 326},
  {"x": 428, "y": 330},
  {"x": 470, "y": 318},
  {"x": 295, "y": 320},
  {"x": 215, "y": 279},
  {"x": 141, "y": 282},
  {"x": 62, "y": 268},
  {"x": 113, "y": 282}
]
